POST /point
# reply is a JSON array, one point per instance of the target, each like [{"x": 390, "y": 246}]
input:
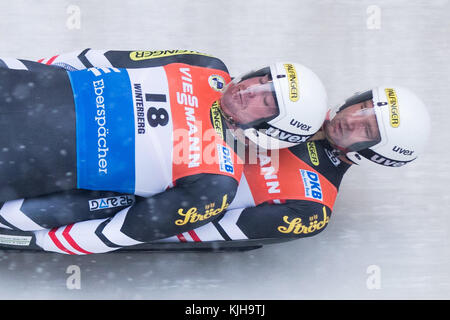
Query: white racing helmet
[
  {"x": 301, "y": 105},
  {"x": 403, "y": 123}
]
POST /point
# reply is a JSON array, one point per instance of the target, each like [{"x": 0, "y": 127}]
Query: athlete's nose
[
  {"x": 248, "y": 91},
  {"x": 353, "y": 123}
]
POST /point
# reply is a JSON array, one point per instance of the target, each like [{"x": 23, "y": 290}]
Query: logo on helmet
[
  {"x": 403, "y": 151},
  {"x": 299, "y": 125},
  {"x": 393, "y": 107},
  {"x": 293, "y": 81},
  {"x": 379, "y": 159},
  {"x": 284, "y": 135}
]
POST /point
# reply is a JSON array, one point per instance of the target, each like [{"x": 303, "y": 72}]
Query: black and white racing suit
[{"x": 291, "y": 197}]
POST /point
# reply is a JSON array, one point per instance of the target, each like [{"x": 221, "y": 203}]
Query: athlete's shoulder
[
  {"x": 128, "y": 59},
  {"x": 322, "y": 157},
  {"x": 140, "y": 59}
]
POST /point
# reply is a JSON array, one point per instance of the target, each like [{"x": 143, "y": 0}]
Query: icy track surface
[{"x": 388, "y": 224}]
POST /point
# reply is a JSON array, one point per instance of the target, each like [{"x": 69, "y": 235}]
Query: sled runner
[{"x": 26, "y": 241}]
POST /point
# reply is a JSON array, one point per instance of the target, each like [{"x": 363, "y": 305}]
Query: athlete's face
[
  {"x": 354, "y": 124},
  {"x": 249, "y": 100}
]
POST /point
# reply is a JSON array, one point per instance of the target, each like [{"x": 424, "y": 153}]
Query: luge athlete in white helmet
[
  {"x": 385, "y": 126},
  {"x": 288, "y": 100},
  {"x": 388, "y": 125},
  {"x": 143, "y": 123}
]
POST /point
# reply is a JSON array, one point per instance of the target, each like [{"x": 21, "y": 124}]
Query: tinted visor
[
  {"x": 250, "y": 100},
  {"x": 354, "y": 127}
]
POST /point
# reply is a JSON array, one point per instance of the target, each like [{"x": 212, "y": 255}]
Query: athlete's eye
[
  {"x": 264, "y": 80},
  {"x": 268, "y": 101},
  {"x": 368, "y": 132}
]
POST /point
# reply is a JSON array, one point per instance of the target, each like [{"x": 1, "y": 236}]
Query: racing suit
[
  {"x": 293, "y": 201},
  {"x": 134, "y": 124}
]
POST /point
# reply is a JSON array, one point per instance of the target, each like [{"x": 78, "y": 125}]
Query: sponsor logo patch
[
  {"x": 192, "y": 215},
  {"x": 225, "y": 160},
  {"x": 216, "y": 119},
  {"x": 111, "y": 202},
  {"x": 105, "y": 129},
  {"x": 296, "y": 225},
  {"x": 313, "y": 156},
  {"x": 216, "y": 82},
  {"x": 145, "y": 55},
  {"x": 311, "y": 183},
  {"x": 189, "y": 101},
  {"x": 333, "y": 158}
]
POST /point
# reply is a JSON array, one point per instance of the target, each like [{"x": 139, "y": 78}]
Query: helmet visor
[
  {"x": 250, "y": 100},
  {"x": 354, "y": 128}
]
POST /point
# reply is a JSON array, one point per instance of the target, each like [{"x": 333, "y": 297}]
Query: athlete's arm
[
  {"x": 193, "y": 202},
  {"x": 88, "y": 58},
  {"x": 290, "y": 220},
  {"x": 293, "y": 219}
]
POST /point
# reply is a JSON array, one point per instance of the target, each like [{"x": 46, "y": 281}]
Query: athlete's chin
[
  {"x": 231, "y": 101},
  {"x": 330, "y": 132},
  {"x": 225, "y": 102}
]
